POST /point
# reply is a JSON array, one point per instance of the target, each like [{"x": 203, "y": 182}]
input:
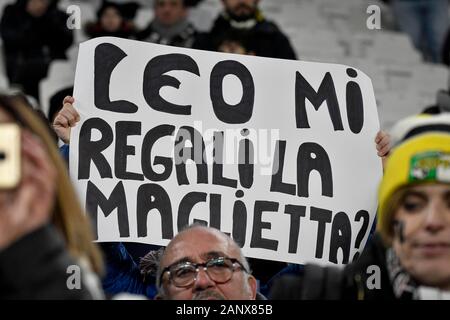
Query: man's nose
[{"x": 202, "y": 280}]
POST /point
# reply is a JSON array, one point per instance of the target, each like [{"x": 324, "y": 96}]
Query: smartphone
[{"x": 10, "y": 155}]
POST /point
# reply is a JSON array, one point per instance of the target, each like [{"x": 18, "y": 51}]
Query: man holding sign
[
  {"x": 68, "y": 117},
  {"x": 140, "y": 179}
]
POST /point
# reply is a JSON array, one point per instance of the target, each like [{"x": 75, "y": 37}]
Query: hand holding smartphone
[{"x": 10, "y": 155}]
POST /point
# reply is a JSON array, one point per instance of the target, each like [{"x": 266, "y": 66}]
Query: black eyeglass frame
[{"x": 204, "y": 265}]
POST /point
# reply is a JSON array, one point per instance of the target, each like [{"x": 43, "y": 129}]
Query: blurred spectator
[
  {"x": 263, "y": 37},
  {"x": 41, "y": 221},
  {"x": 234, "y": 42},
  {"x": 409, "y": 258},
  {"x": 170, "y": 25},
  {"x": 112, "y": 21},
  {"x": 426, "y": 22},
  {"x": 34, "y": 33}
]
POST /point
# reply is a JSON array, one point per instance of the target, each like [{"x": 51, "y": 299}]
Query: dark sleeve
[
  {"x": 203, "y": 42},
  {"x": 14, "y": 29},
  {"x": 291, "y": 269},
  {"x": 117, "y": 254},
  {"x": 59, "y": 37},
  {"x": 288, "y": 287},
  {"x": 64, "y": 151},
  {"x": 35, "y": 267},
  {"x": 141, "y": 35},
  {"x": 284, "y": 47},
  {"x": 122, "y": 272},
  {"x": 314, "y": 282}
]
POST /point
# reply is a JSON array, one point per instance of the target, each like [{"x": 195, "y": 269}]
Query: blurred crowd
[
  {"x": 42, "y": 222},
  {"x": 38, "y": 50},
  {"x": 35, "y": 33}
]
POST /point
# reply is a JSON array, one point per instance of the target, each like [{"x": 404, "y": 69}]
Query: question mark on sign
[{"x": 365, "y": 216}]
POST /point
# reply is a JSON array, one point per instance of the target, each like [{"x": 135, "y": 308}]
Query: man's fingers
[
  {"x": 380, "y": 135},
  {"x": 383, "y": 148},
  {"x": 384, "y": 142},
  {"x": 68, "y": 99},
  {"x": 70, "y": 114},
  {"x": 383, "y": 152},
  {"x": 61, "y": 121},
  {"x": 62, "y": 126},
  {"x": 70, "y": 109},
  {"x": 67, "y": 118}
]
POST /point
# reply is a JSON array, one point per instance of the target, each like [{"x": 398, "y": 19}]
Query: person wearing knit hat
[
  {"x": 414, "y": 202},
  {"x": 410, "y": 252},
  {"x": 418, "y": 124}
]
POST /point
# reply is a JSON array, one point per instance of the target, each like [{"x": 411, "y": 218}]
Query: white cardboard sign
[{"x": 279, "y": 154}]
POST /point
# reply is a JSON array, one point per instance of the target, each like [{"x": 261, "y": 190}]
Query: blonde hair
[{"x": 68, "y": 215}]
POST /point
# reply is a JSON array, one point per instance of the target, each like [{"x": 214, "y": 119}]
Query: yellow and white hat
[{"x": 422, "y": 155}]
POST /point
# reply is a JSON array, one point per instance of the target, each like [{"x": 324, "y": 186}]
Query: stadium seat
[{"x": 60, "y": 75}]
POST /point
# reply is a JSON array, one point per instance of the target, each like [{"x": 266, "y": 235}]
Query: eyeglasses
[{"x": 220, "y": 270}]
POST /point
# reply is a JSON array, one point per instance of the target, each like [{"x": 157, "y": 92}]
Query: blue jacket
[{"x": 123, "y": 274}]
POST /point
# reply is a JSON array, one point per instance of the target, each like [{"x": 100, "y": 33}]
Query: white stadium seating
[
  {"x": 320, "y": 30},
  {"x": 60, "y": 75}
]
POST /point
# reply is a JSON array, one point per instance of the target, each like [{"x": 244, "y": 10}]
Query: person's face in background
[
  {"x": 424, "y": 251},
  {"x": 169, "y": 12},
  {"x": 241, "y": 9},
  {"x": 111, "y": 20},
  {"x": 230, "y": 46},
  {"x": 37, "y": 8},
  {"x": 195, "y": 245}
]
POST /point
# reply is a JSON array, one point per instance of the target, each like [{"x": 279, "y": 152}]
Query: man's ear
[{"x": 252, "y": 284}]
